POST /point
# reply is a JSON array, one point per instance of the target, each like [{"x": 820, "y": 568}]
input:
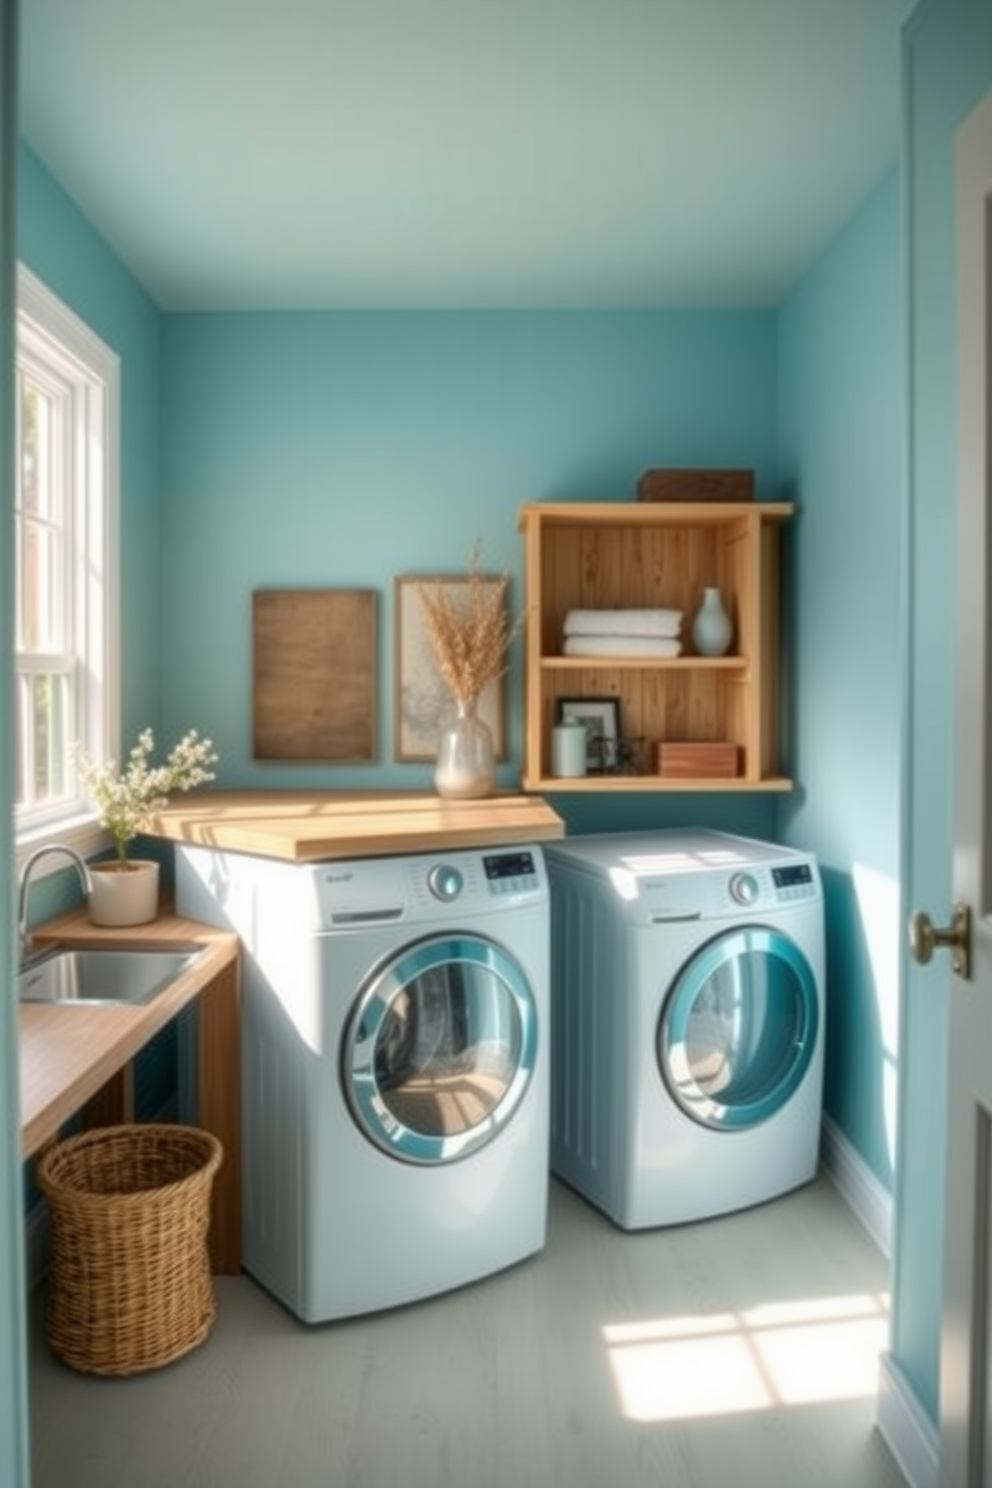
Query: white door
[{"x": 965, "y": 1398}]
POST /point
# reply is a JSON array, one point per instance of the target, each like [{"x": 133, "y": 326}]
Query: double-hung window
[{"x": 65, "y": 545}]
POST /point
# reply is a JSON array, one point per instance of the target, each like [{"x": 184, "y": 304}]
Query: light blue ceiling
[{"x": 424, "y": 153}]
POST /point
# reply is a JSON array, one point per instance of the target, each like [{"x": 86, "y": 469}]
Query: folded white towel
[
  {"x": 621, "y": 645},
  {"x": 623, "y": 622}
]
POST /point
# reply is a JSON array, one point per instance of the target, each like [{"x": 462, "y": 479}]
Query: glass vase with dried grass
[{"x": 470, "y": 634}]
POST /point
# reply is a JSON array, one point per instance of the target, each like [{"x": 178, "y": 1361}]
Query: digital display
[
  {"x": 509, "y": 865},
  {"x": 787, "y": 878}
]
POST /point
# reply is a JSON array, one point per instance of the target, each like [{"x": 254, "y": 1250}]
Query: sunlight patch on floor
[{"x": 781, "y": 1354}]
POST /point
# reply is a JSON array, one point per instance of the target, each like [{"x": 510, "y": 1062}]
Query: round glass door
[
  {"x": 440, "y": 1048},
  {"x": 738, "y": 1029}
]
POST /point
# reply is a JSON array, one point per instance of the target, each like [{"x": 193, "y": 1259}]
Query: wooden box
[
  {"x": 696, "y": 485},
  {"x": 699, "y": 760}
]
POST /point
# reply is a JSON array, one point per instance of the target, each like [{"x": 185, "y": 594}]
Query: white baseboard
[
  {"x": 906, "y": 1428},
  {"x": 903, "y": 1424},
  {"x": 863, "y": 1193}
]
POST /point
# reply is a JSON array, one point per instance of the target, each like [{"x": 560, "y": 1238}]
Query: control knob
[
  {"x": 444, "y": 882},
  {"x": 744, "y": 888}
]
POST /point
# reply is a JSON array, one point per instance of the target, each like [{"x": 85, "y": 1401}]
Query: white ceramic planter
[{"x": 123, "y": 894}]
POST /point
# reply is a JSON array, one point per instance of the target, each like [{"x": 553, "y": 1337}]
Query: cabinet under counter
[{"x": 69, "y": 1056}]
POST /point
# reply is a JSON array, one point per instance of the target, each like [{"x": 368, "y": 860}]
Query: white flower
[{"x": 127, "y": 801}]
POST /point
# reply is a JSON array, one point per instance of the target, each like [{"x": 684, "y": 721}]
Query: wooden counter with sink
[{"x": 77, "y": 1058}]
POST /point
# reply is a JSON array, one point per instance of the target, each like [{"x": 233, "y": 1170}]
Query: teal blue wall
[
  {"x": 344, "y": 449},
  {"x": 947, "y": 69},
  {"x": 841, "y": 441},
  {"x": 58, "y": 243}
]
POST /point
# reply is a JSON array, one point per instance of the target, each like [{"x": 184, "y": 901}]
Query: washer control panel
[
  {"x": 361, "y": 893},
  {"x": 510, "y": 872}
]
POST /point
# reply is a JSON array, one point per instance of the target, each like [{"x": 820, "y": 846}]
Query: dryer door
[
  {"x": 440, "y": 1048},
  {"x": 739, "y": 1027}
]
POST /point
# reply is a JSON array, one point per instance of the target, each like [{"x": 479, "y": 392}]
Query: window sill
[{"x": 83, "y": 833}]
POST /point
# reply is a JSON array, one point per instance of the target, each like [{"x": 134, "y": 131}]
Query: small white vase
[
  {"x": 711, "y": 629},
  {"x": 466, "y": 759},
  {"x": 123, "y": 893}
]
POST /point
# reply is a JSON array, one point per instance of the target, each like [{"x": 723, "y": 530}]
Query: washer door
[
  {"x": 739, "y": 1028},
  {"x": 440, "y": 1048}
]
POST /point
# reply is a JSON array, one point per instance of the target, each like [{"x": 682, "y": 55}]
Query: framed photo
[
  {"x": 421, "y": 698},
  {"x": 601, "y": 717}
]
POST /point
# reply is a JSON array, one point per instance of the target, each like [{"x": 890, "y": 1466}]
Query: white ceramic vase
[
  {"x": 711, "y": 628},
  {"x": 466, "y": 758},
  {"x": 123, "y": 893}
]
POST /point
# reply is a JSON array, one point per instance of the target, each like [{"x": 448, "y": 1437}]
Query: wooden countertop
[
  {"x": 68, "y": 1053},
  {"x": 308, "y": 826}
]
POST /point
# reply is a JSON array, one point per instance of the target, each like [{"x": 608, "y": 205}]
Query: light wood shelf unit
[{"x": 651, "y": 555}]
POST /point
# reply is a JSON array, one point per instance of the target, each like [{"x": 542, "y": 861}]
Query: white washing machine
[
  {"x": 687, "y": 976},
  {"x": 395, "y": 1068}
]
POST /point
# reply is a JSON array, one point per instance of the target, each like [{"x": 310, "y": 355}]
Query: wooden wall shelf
[{"x": 619, "y": 555}]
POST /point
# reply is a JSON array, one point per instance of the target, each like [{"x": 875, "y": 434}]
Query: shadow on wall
[
  {"x": 862, "y": 914},
  {"x": 747, "y": 815}
]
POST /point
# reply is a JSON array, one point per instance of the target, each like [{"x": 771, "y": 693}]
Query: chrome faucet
[{"x": 23, "y": 938}]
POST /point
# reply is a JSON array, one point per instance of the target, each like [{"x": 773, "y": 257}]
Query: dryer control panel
[
  {"x": 673, "y": 876},
  {"x": 794, "y": 881}
]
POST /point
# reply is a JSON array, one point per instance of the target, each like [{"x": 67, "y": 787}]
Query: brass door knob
[{"x": 925, "y": 938}]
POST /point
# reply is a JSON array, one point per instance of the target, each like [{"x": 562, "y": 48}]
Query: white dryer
[
  {"x": 395, "y": 1068},
  {"x": 687, "y": 975}
]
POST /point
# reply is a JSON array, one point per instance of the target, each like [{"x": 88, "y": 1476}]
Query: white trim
[
  {"x": 48, "y": 326},
  {"x": 865, "y": 1195},
  {"x": 82, "y": 833},
  {"x": 905, "y": 1427}
]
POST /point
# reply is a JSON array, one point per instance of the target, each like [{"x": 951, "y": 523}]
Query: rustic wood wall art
[{"x": 314, "y": 675}]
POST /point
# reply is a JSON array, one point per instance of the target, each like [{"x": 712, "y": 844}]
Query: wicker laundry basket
[{"x": 130, "y": 1286}]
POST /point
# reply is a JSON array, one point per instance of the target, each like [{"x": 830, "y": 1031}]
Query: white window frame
[{"x": 51, "y": 333}]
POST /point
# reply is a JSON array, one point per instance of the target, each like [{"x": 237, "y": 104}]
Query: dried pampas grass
[{"x": 469, "y": 630}]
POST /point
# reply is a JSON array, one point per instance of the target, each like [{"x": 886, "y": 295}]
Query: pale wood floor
[{"x": 513, "y": 1381}]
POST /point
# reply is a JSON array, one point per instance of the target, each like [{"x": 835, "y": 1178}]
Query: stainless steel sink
[{"x": 126, "y": 975}]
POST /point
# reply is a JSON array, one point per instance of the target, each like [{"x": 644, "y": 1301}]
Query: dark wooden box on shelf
[
  {"x": 696, "y": 485},
  {"x": 656, "y": 555}
]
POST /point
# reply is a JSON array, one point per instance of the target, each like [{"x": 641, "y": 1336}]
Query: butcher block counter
[
  {"x": 78, "y": 1058},
  {"x": 309, "y": 826}
]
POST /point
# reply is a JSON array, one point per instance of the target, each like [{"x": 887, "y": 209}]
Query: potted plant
[{"x": 124, "y": 890}]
